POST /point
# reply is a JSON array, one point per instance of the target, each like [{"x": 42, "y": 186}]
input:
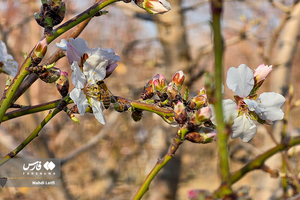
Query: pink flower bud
[
  {"x": 148, "y": 91},
  {"x": 62, "y": 84},
  {"x": 203, "y": 114},
  {"x": 180, "y": 113},
  {"x": 172, "y": 91},
  {"x": 154, "y": 6},
  {"x": 202, "y": 91},
  {"x": 262, "y": 72},
  {"x": 198, "y": 102},
  {"x": 162, "y": 81},
  {"x": 156, "y": 84},
  {"x": 204, "y": 135},
  {"x": 178, "y": 79},
  {"x": 159, "y": 83}
]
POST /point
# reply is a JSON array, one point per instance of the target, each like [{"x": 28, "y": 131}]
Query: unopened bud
[
  {"x": 180, "y": 113},
  {"x": 262, "y": 72},
  {"x": 201, "y": 116},
  {"x": 72, "y": 116},
  {"x": 178, "y": 79},
  {"x": 52, "y": 13},
  {"x": 62, "y": 84},
  {"x": 50, "y": 75},
  {"x": 7, "y": 84},
  {"x": 172, "y": 91},
  {"x": 137, "y": 115},
  {"x": 154, "y": 6},
  {"x": 148, "y": 91},
  {"x": 198, "y": 102},
  {"x": 202, "y": 91},
  {"x": 39, "y": 52},
  {"x": 160, "y": 83},
  {"x": 205, "y": 135},
  {"x": 296, "y": 104}
]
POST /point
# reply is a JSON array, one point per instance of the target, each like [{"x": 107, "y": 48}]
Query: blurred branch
[
  {"x": 10, "y": 142},
  {"x": 207, "y": 50},
  {"x": 281, "y": 6},
  {"x": 6, "y": 33},
  {"x": 288, "y": 42},
  {"x": 35, "y": 133},
  {"x": 276, "y": 33},
  {"x": 94, "y": 141},
  {"x": 159, "y": 165},
  {"x": 127, "y": 158},
  {"x": 195, "y": 6},
  {"x": 32, "y": 109},
  {"x": 258, "y": 162}
]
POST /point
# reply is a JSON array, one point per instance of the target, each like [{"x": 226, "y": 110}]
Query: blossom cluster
[
  {"x": 92, "y": 65},
  {"x": 89, "y": 66},
  {"x": 248, "y": 107},
  {"x": 192, "y": 116},
  {"x": 195, "y": 115}
]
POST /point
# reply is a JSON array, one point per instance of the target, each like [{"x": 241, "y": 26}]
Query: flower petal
[
  {"x": 243, "y": 127},
  {"x": 78, "y": 78},
  {"x": 252, "y": 104},
  {"x": 229, "y": 111},
  {"x": 8, "y": 66},
  {"x": 79, "y": 99},
  {"x": 73, "y": 54},
  {"x": 98, "y": 111},
  {"x": 95, "y": 68},
  {"x": 80, "y": 45},
  {"x": 240, "y": 80},
  {"x": 269, "y": 106},
  {"x": 63, "y": 44},
  {"x": 105, "y": 54}
]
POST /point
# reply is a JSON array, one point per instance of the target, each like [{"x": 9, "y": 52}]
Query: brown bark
[
  {"x": 288, "y": 41},
  {"x": 172, "y": 35}
]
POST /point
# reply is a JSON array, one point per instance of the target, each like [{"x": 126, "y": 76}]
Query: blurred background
[{"x": 112, "y": 161}]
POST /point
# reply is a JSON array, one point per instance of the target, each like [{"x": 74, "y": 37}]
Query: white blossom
[
  {"x": 248, "y": 108},
  {"x": 89, "y": 66},
  {"x": 7, "y": 63}
]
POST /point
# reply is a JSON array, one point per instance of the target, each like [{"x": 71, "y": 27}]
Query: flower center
[{"x": 91, "y": 90}]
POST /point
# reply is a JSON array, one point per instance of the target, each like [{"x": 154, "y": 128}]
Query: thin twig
[
  {"x": 94, "y": 141},
  {"x": 159, "y": 165},
  {"x": 35, "y": 133}
]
